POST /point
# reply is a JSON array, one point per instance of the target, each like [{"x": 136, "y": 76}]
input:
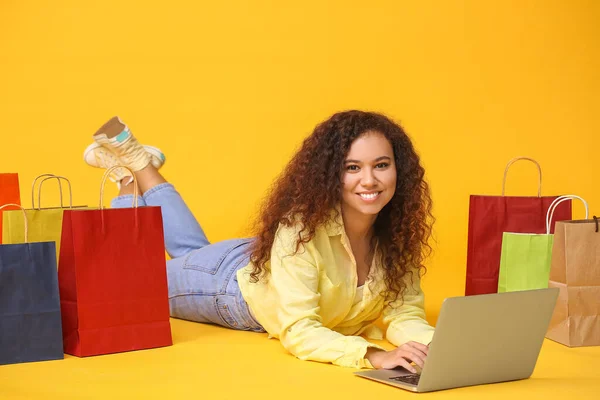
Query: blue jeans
[{"x": 201, "y": 276}]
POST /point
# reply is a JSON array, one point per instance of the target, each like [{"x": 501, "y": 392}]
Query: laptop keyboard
[{"x": 412, "y": 379}]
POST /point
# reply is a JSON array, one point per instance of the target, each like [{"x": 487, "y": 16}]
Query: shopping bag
[
  {"x": 30, "y": 322},
  {"x": 9, "y": 194},
  {"x": 525, "y": 258},
  {"x": 45, "y": 224},
  {"x": 490, "y": 217},
  {"x": 575, "y": 270},
  {"x": 113, "y": 281}
]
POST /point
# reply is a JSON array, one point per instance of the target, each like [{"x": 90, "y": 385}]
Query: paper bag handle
[
  {"x": 559, "y": 200},
  {"x": 135, "y": 185},
  {"x": 33, "y": 190},
  {"x": 514, "y": 160},
  {"x": 24, "y": 217},
  {"x": 58, "y": 178}
]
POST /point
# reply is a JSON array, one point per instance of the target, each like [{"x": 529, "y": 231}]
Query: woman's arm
[
  {"x": 406, "y": 317},
  {"x": 295, "y": 280},
  {"x": 296, "y": 314}
]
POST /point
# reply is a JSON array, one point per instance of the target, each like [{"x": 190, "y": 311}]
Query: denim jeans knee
[{"x": 203, "y": 285}]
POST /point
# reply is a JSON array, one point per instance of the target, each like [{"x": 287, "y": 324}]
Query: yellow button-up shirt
[{"x": 307, "y": 300}]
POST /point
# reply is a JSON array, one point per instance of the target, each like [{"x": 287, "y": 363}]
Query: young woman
[{"x": 341, "y": 242}]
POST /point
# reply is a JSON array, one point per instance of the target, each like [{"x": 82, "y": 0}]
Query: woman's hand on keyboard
[{"x": 401, "y": 356}]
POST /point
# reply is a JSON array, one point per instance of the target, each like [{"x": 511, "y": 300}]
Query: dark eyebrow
[{"x": 376, "y": 160}]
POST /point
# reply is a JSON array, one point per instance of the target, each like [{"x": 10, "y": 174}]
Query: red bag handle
[
  {"x": 135, "y": 185},
  {"x": 511, "y": 162}
]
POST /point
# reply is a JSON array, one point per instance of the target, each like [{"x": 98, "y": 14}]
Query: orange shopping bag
[{"x": 9, "y": 194}]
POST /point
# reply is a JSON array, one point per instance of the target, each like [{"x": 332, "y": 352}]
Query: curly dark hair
[{"x": 310, "y": 187}]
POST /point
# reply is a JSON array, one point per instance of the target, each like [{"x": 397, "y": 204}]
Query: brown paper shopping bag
[{"x": 575, "y": 270}]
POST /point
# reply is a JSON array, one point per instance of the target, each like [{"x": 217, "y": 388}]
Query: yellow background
[{"x": 228, "y": 90}]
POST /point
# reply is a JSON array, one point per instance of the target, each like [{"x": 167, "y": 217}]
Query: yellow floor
[{"x": 212, "y": 361}]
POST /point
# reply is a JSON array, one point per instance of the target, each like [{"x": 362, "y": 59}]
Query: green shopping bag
[
  {"x": 525, "y": 258},
  {"x": 45, "y": 224}
]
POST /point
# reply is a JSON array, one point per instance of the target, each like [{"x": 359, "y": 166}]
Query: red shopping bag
[
  {"x": 113, "y": 280},
  {"x": 490, "y": 217},
  {"x": 9, "y": 194}
]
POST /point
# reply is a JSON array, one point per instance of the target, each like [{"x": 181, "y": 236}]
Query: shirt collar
[{"x": 335, "y": 227}]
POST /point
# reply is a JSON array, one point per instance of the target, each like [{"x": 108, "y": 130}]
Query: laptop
[{"x": 480, "y": 339}]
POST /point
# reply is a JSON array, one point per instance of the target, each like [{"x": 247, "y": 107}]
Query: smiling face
[{"x": 369, "y": 176}]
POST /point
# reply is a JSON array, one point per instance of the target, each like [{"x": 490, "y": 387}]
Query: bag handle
[
  {"x": 559, "y": 200},
  {"x": 58, "y": 178},
  {"x": 135, "y": 185},
  {"x": 33, "y": 189},
  {"x": 24, "y": 216},
  {"x": 514, "y": 160}
]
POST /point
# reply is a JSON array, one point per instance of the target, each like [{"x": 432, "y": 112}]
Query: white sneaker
[
  {"x": 116, "y": 137},
  {"x": 98, "y": 156}
]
